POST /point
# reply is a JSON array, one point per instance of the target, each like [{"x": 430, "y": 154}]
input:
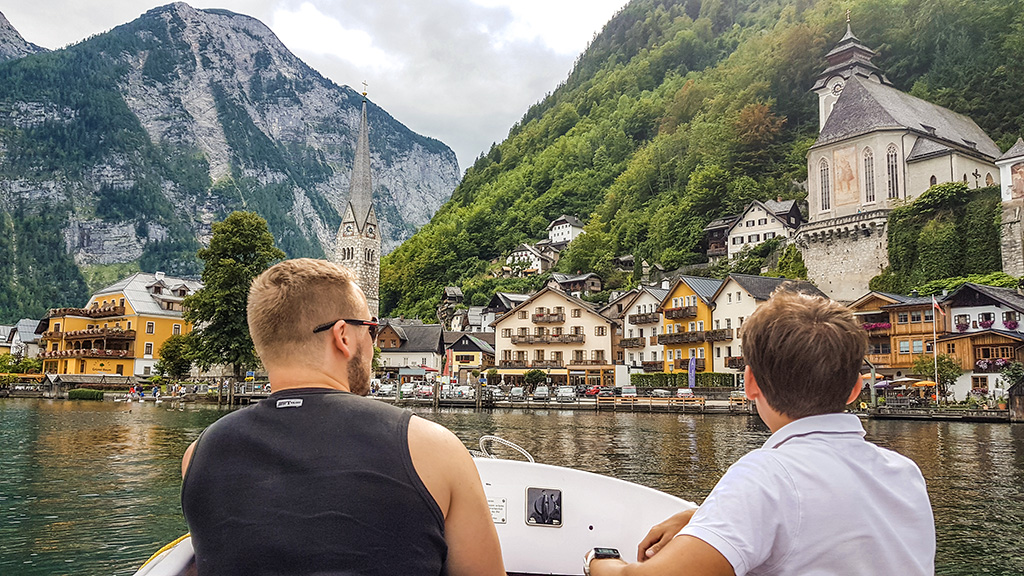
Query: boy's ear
[
  {"x": 857, "y": 387},
  {"x": 750, "y": 387}
]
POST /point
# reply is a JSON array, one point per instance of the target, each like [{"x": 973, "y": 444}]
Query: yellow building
[
  {"x": 119, "y": 331},
  {"x": 686, "y": 324}
]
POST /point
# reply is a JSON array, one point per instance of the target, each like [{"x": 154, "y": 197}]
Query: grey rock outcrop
[{"x": 12, "y": 45}]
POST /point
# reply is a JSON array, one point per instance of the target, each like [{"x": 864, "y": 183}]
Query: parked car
[
  {"x": 606, "y": 391},
  {"x": 628, "y": 392},
  {"x": 465, "y": 392},
  {"x": 684, "y": 393},
  {"x": 659, "y": 393},
  {"x": 494, "y": 393},
  {"x": 565, "y": 394},
  {"x": 592, "y": 391},
  {"x": 424, "y": 391},
  {"x": 386, "y": 390},
  {"x": 408, "y": 389},
  {"x": 541, "y": 393},
  {"x": 517, "y": 394}
]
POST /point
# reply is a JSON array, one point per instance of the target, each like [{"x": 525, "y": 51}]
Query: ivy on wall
[{"x": 948, "y": 231}]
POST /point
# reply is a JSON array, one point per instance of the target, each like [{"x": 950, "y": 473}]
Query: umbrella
[
  {"x": 924, "y": 383},
  {"x": 883, "y": 384}
]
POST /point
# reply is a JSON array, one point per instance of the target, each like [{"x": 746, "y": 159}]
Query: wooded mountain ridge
[{"x": 683, "y": 111}]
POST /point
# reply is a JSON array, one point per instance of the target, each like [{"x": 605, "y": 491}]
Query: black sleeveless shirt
[{"x": 311, "y": 482}]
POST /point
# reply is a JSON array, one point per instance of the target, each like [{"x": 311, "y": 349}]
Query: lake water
[{"x": 93, "y": 487}]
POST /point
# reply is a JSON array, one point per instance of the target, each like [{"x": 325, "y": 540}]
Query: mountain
[
  {"x": 682, "y": 111},
  {"x": 12, "y": 45},
  {"x": 119, "y": 152}
]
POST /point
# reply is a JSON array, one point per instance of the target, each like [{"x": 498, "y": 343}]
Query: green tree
[
  {"x": 791, "y": 264},
  {"x": 176, "y": 357},
  {"x": 535, "y": 377},
  {"x": 1013, "y": 374},
  {"x": 240, "y": 249},
  {"x": 949, "y": 371}
]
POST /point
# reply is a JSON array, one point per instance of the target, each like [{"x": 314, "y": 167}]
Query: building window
[
  {"x": 869, "y": 175},
  {"x": 933, "y": 180},
  {"x": 176, "y": 330},
  {"x": 600, "y": 330},
  {"x": 150, "y": 327},
  {"x": 149, "y": 348},
  {"x": 951, "y": 348},
  {"x": 904, "y": 347},
  {"x": 893, "y": 171},
  {"x": 762, "y": 221},
  {"x": 505, "y": 333},
  {"x": 577, "y": 312},
  {"x": 750, "y": 222},
  {"x": 754, "y": 238},
  {"x": 915, "y": 316},
  {"x": 918, "y": 347},
  {"x": 979, "y": 383},
  {"x": 825, "y": 185},
  {"x": 902, "y": 318},
  {"x": 929, "y": 315},
  {"x": 145, "y": 370},
  {"x": 738, "y": 296},
  {"x": 522, "y": 314}
]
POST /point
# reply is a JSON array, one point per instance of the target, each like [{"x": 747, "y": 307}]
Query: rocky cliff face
[
  {"x": 140, "y": 138},
  {"x": 12, "y": 45}
]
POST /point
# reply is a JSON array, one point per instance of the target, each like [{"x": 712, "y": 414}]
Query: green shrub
[{"x": 85, "y": 394}]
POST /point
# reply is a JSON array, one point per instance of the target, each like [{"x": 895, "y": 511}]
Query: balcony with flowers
[{"x": 991, "y": 365}]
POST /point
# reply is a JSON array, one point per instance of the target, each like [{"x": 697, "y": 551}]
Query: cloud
[{"x": 461, "y": 71}]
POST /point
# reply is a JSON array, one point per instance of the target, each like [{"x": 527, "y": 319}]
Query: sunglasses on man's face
[{"x": 370, "y": 324}]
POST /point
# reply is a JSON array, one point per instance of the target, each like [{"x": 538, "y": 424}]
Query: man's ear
[
  {"x": 340, "y": 339},
  {"x": 750, "y": 387}
]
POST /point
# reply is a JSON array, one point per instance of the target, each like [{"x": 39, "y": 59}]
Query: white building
[
  {"x": 762, "y": 221},
  {"x": 641, "y": 328},
  {"x": 564, "y": 229}
]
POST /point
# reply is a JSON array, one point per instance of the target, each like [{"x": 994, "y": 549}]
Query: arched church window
[
  {"x": 989, "y": 181},
  {"x": 932, "y": 181},
  {"x": 826, "y": 192},
  {"x": 893, "y": 171},
  {"x": 869, "y": 175}
]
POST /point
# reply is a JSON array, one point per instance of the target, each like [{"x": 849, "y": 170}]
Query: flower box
[
  {"x": 1010, "y": 324},
  {"x": 962, "y": 327},
  {"x": 986, "y": 324}
]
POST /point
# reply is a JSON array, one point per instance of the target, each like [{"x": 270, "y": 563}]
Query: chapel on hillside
[
  {"x": 877, "y": 147},
  {"x": 358, "y": 244}
]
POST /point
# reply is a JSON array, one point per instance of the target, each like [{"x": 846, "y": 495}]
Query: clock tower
[
  {"x": 358, "y": 244},
  {"x": 849, "y": 57}
]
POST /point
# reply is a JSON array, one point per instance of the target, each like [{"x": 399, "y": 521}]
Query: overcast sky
[{"x": 461, "y": 71}]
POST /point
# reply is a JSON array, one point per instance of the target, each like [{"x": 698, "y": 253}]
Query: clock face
[
  {"x": 369, "y": 230},
  {"x": 348, "y": 229},
  {"x": 837, "y": 88}
]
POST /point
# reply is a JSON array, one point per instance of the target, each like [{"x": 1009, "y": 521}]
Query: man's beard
[{"x": 359, "y": 373}]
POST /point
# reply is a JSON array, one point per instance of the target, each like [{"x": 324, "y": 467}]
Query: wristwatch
[{"x": 597, "y": 554}]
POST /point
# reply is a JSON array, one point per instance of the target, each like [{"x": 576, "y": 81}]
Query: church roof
[
  {"x": 360, "y": 189},
  {"x": 1014, "y": 152},
  {"x": 865, "y": 106},
  {"x": 927, "y": 148}
]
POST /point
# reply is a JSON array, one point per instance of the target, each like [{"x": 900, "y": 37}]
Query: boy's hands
[{"x": 662, "y": 534}]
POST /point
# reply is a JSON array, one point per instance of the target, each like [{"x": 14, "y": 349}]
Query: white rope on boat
[{"x": 490, "y": 437}]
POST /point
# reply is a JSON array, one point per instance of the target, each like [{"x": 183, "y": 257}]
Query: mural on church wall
[
  {"x": 847, "y": 183},
  {"x": 1017, "y": 181}
]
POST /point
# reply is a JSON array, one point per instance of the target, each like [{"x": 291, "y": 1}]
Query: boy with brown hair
[{"x": 817, "y": 498}]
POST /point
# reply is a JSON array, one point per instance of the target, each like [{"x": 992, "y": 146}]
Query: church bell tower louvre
[{"x": 358, "y": 244}]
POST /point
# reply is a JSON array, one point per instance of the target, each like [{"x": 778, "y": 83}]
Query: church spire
[{"x": 360, "y": 190}]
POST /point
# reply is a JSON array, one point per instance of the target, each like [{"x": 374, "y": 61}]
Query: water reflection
[{"x": 93, "y": 488}]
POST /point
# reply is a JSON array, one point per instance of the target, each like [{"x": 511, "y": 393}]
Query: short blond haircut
[
  {"x": 291, "y": 298},
  {"x": 805, "y": 352}
]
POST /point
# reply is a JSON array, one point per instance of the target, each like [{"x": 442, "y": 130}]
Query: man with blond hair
[
  {"x": 317, "y": 479},
  {"x": 817, "y": 498}
]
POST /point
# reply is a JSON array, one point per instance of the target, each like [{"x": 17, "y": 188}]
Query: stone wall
[{"x": 843, "y": 254}]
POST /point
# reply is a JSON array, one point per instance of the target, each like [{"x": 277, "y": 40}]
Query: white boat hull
[{"x": 547, "y": 518}]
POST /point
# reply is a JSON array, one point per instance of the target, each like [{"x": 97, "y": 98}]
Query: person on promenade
[
  {"x": 317, "y": 479},
  {"x": 817, "y": 498}
]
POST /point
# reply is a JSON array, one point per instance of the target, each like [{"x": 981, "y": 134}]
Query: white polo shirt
[{"x": 818, "y": 499}]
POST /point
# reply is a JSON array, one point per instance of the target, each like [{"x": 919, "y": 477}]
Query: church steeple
[
  {"x": 358, "y": 244},
  {"x": 360, "y": 188},
  {"x": 848, "y": 58}
]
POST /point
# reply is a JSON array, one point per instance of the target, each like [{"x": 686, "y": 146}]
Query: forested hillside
[{"x": 680, "y": 112}]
